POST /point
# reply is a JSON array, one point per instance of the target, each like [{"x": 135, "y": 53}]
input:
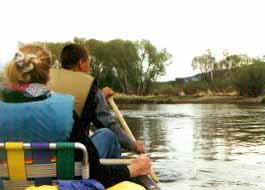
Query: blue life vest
[{"x": 48, "y": 120}]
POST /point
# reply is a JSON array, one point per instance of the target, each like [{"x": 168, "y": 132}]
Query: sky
[{"x": 186, "y": 28}]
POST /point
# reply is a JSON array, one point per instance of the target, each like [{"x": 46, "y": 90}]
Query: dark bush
[
  {"x": 1, "y": 76},
  {"x": 250, "y": 79},
  {"x": 221, "y": 85},
  {"x": 170, "y": 90},
  {"x": 194, "y": 87}
]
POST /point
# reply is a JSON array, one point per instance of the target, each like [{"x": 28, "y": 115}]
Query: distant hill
[
  {"x": 196, "y": 77},
  {"x": 217, "y": 75},
  {"x": 183, "y": 80},
  {"x": 180, "y": 81}
]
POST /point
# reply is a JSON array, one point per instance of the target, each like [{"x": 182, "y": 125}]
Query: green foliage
[
  {"x": 126, "y": 66},
  {"x": 1, "y": 76},
  {"x": 166, "y": 88},
  {"x": 231, "y": 63},
  {"x": 210, "y": 68},
  {"x": 250, "y": 79},
  {"x": 170, "y": 91},
  {"x": 100, "y": 67},
  {"x": 122, "y": 56},
  {"x": 235, "y": 71},
  {"x": 194, "y": 87},
  {"x": 205, "y": 63},
  {"x": 97, "y": 50},
  {"x": 219, "y": 85},
  {"x": 178, "y": 81},
  {"x": 55, "y": 48},
  {"x": 150, "y": 65}
]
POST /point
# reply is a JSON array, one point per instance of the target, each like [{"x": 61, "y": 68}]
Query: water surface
[{"x": 203, "y": 146}]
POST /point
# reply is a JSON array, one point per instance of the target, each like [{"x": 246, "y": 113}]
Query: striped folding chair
[{"x": 26, "y": 164}]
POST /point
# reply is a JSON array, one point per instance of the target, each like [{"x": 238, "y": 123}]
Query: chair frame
[{"x": 35, "y": 170}]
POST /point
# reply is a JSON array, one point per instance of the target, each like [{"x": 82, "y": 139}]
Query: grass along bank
[{"x": 162, "y": 99}]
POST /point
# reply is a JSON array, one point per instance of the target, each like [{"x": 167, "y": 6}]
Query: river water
[{"x": 202, "y": 146}]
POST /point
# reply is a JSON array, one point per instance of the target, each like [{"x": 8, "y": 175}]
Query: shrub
[
  {"x": 250, "y": 79},
  {"x": 194, "y": 87},
  {"x": 169, "y": 90},
  {"x": 220, "y": 85},
  {"x": 1, "y": 76}
]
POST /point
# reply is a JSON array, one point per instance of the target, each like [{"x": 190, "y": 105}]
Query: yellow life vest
[
  {"x": 43, "y": 187},
  {"x": 126, "y": 185},
  {"x": 75, "y": 83}
]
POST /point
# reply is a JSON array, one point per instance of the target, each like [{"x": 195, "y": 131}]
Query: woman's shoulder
[{"x": 9, "y": 95}]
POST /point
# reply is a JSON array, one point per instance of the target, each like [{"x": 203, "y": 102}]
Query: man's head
[{"x": 75, "y": 57}]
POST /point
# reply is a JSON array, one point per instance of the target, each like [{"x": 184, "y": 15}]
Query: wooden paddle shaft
[
  {"x": 115, "y": 161},
  {"x": 127, "y": 129},
  {"x": 149, "y": 183},
  {"x": 120, "y": 118}
]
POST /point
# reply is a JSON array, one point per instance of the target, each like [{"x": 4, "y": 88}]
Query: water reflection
[
  {"x": 227, "y": 131},
  {"x": 209, "y": 146}
]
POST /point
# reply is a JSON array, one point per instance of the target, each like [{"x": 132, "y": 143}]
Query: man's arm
[
  {"x": 104, "y": 116},
  {"x": 108, "y": 175},
  {"x": 96, "y": 110}
]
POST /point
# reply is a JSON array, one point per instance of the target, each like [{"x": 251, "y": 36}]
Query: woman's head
[{"x": 30, "y": 65}]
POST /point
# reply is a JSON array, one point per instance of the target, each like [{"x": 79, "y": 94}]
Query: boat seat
[{"x": 33, "y": 164}]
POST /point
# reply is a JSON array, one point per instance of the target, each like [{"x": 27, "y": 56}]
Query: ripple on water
[
  {"x": 158, "y": 115},
  {"x": 208, "y": 147}
]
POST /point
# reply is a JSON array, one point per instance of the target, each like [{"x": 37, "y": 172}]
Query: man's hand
[
  {"x": 140, "y": 166},
  {"x": 107, "y": 92},
  {"x": 139, "y": 146}
]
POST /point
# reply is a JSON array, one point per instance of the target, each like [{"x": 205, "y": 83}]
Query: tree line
[
  {"x": 130, "y": 67},
  {"x": 240, "y": 72}
]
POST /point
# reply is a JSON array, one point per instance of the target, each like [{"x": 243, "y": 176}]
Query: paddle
[{"x": 127, "y": 129}]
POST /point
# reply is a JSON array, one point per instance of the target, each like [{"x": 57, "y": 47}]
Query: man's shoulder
[{"x": 72, "y": 74}]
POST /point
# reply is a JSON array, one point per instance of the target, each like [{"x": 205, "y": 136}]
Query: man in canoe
[
  {"x": 30, "y": 112},
  {"x": 90, "y": 102}
]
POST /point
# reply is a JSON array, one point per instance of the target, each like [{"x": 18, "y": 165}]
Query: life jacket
[
  {"x": 48, "y": 120},
  {"x": 75, "y": 83}
]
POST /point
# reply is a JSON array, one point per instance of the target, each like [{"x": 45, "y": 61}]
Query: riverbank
[{"x": 132, "y": 99}]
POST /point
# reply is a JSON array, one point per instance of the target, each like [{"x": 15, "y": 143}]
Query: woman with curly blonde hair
[{"x": 30, "y": 112}]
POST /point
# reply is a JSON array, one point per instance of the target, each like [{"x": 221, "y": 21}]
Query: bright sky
[{"x": 186, "y": 28}]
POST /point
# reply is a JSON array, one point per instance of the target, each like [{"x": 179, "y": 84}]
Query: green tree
[
  {"x": 55, "y": 48},
  {"x": 122, "y": 55},
  {"x": 250, "y": 79},
  {"x": 126, "y": 66},
  {"x": 206, "y": 63},
  {"x": 230, "y": 63},
  {"x": 150, "y": 65},
  {"x": 1, "y": 76},
  {"x": 101, "y": 67},
  {"x": 97, "y": 50}
]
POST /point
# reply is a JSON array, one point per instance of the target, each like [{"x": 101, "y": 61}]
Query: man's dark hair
[{"x": 71, "y": 54}]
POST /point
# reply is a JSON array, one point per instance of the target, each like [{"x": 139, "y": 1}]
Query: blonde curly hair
[{"x": 30, "y": 65}]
